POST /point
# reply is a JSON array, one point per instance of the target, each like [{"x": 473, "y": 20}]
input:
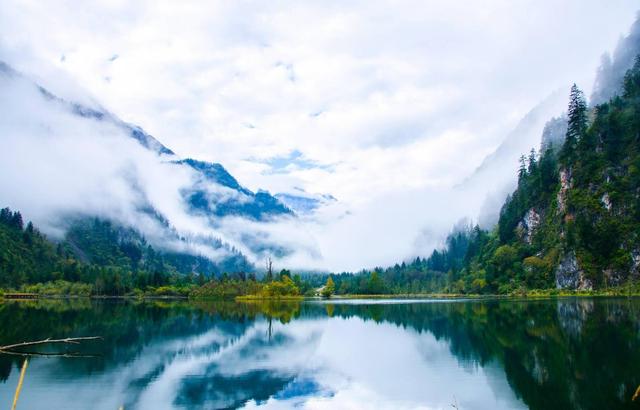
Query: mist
[{"x": 408, "y": 136}]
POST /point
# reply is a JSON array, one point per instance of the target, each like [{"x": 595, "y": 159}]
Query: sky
[{"x": 386, "y": 105}]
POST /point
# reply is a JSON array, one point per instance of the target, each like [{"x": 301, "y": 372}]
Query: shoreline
[{"x": 253, "y": 298}]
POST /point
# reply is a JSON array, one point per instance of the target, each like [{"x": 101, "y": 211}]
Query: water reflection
[{"x": 568, "y": 353}]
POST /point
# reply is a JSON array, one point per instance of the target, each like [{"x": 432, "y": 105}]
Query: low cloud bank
[{"x": 57, "y": 163}]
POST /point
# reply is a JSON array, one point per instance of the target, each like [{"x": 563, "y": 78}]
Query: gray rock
[
  {"x": 606, "y": 201},
  {"x": 613, "y": 277},
  {"x": 565, "y": 184},
  {"x": 529, "y": 224},
  {"x": 569, "y": 275}
]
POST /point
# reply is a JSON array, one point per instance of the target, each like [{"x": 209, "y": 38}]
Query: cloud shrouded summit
[{"x": 383, "y": 105}]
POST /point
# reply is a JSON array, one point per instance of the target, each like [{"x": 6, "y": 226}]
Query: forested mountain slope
[
  {"x": 92, "y": 164},
  {"x": 113, "y": 259},
  {"x": 572, "y": 222}
]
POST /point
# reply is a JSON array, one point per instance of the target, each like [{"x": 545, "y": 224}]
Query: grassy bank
[
  {"x": 247, "y": 298},
  {"x": 63, "y": 291}
]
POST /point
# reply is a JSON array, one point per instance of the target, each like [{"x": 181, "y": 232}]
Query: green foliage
[
  {"x": 376, "y": 285},
  {"x": 227, "y": 288},
  {"x": 278, "y": 288},
  {"x": 582, "y": 197},
  {"x": 238, "y": 287},
  {"x": 596, "y": 214},
  {"x": 577, "y": 125},
  {"x": 329, "y": 288},
  {"x": 118, "y": 262},
  {"x": 97, "y": 257},
  {"x": 59, "y": 288}
]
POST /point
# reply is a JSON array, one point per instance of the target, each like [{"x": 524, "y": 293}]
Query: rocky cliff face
[
  {"x": 569, "y": 275},
  {"x": 529, "y": 224},
  {"x": 606, "y": 201},
  {"x": 565, "y": 184}
]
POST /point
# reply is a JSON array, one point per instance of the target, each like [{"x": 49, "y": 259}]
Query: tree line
[{"x": 578, "y": 199}]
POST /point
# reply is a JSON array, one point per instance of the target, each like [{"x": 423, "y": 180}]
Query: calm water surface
[{"x": 552, "y": 354}]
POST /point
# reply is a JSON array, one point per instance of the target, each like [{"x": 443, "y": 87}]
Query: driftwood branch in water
[
  {"x": 20, "y": 381},
  {"x": 68, "y": 340},
  {"x": 39, "y": 354}
]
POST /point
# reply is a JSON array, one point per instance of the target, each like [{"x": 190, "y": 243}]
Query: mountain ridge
[{"x": 200, "y": 197}]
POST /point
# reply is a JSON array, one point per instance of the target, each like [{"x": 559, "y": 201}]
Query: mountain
[
  {"x": 500, "y": 166},
  {"x": 114, "y": 260},
  {"x": 610, "y": 74},
  {"x": 98, "y": 113},
  {"x": 546, "y": 119},
  {"x": 260, "y": 206},
  {"x": 302, "y": 202},
  {"x": 572, "y": 217},
  {"x": 572, "y": 222},
  {"x": 71, "y": 162}
]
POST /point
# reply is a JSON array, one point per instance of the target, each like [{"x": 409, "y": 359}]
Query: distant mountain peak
[
  {"x": 97, "y": 113},
  {"x": 208, "y": 190},
  {"x": 302, "y": 202}
]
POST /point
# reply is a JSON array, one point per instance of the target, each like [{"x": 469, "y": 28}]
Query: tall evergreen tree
[
  {"x": 577, "y": 124},
  {"x": 531, "y": 167},
  {"x": 522, "y": 170}
]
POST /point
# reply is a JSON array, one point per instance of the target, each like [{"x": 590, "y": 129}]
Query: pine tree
[
  {"x": 577, "y": 125},
  {"x": 522, "y": 171},
  {"x": 5, "y": 216},
  {"x": 531, "y": 168},
  {"x": 632, "y": 80},
  {"x": 548, "y": 170},
  {"x": 16, "y": 221},
  {"x": 375, "y": 285}
]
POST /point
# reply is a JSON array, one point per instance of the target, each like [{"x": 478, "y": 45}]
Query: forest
[
  {"x": 572, "y": 222},
  {"x": 99, "y": 259}
]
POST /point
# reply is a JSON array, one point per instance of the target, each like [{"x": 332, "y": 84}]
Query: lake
[{"x": 362, "y": 354}]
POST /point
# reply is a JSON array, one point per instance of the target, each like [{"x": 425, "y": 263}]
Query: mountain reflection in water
[{"x": 498, "y": 354}]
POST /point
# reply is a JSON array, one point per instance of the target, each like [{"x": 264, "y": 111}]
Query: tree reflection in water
[{"x": 565, "y": 353}]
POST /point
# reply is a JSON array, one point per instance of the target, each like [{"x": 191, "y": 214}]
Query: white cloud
[
  {"x": 402, "y": 99},
  {"x": 348, "y": 361}
]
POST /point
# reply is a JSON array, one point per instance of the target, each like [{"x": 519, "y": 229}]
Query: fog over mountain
[
  {"x": 500, "y": 167},
  {"x": 614, "y": 65},
  {"x": 65, "y": 160},
  {"x": 356, "y": 143}
]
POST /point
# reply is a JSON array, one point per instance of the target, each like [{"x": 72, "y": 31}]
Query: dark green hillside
[
  {"x": 106, "y": 258},
  {"x": 573, "y": 221},
  {"x": 25, "y": 254}
]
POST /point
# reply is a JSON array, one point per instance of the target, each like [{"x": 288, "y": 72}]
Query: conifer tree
[
  {"x": 577, "y": 125},
  {"x": 16, "y": 221},
  {"x": 531, "y": 168},
  {"x": 522, "y": 171}
]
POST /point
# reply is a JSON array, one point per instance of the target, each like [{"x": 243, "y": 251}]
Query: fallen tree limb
[
  {"x": 68, "y": 340},
  {"x": 38, "y": 354}
]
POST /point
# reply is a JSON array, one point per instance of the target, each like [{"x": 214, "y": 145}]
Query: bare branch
[
  {"x": 36, "y": 354},
  {"x": 68, "y": 340}
]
